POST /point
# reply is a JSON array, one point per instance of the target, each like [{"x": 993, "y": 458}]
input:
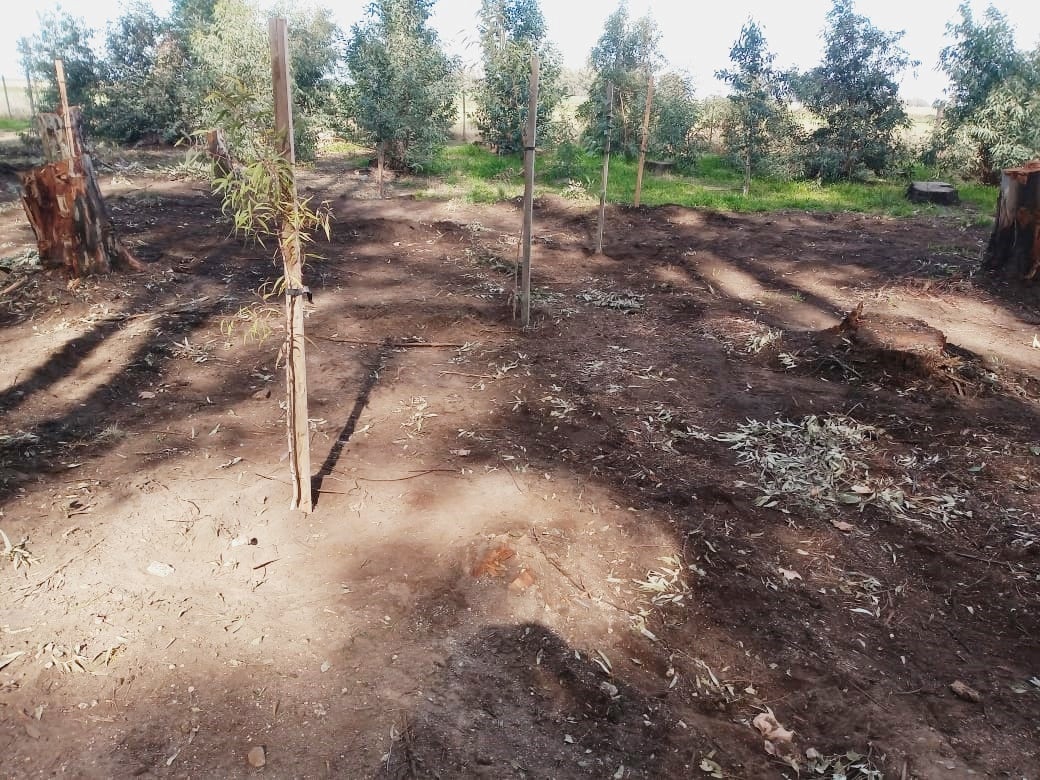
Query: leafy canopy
[
  {"x": 855, "y": 95},
  {"x": 624, "y": 56},
  {"x": 759, "y": 117},
  {"x": 510, "y": 31},
  {"x": 402, "y": 83}
]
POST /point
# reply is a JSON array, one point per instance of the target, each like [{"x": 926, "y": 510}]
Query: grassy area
[
  {"x": 476, "y": 175},
  {"x": 14, "y": 125}
]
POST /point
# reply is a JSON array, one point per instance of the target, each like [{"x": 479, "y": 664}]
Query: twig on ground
[{"x": 57, "y": 570}]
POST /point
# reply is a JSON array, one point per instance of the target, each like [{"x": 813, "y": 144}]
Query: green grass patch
[
  {"x": 474, "y": 174},
  {"x": 14, "y": 125}
]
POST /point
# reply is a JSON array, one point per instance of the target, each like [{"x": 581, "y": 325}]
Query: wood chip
[
  {"x": 523, "y": 581},
  {"x": 494, "y": 562},
  {"x": 966, "y": 692}
]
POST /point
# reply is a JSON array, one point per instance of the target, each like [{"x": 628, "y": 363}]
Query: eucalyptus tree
[
  {"x": 757, "y": 95},
  {"x": 402, "y": 84}
]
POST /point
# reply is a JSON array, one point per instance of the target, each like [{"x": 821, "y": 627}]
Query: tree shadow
[
  {"x": 518, "y": 700},
  {"x": 40, "y": 448},
  {"x": 373, "y": 371}
]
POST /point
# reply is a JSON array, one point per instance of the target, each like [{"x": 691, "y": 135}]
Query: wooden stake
[
  {"x": 380, "y": 165},
  {"x": 645, "y": 137},
  {"x": 295, "y": 358},
  {"x": 530, "y": 141},
  {"x": 59, "y": 68},
  {"x": 606, "y": 169},
  {"x": 29, "y": 92},
  {"x": 7, "y": 99}
]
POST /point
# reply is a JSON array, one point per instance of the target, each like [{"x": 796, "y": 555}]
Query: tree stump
[
  {"x": 64, "y": 205},
  {"x": 1014, "y": 244},
  {"x": 660, "y": 166},
  {"x": 940, "y": 192}
]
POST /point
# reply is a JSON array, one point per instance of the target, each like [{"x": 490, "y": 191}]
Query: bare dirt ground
[{"x": 688, "y": 497}]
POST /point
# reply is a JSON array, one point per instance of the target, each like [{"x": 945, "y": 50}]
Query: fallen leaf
[
  {"x": 965, "y": 692},
  {"x": 257, "y": 757},
  {"x": 790, "y": 574},
  {"x": 711, "y": 767},
  {"x": 146, "y": 394},
  {"x": 841, "y": 525}
]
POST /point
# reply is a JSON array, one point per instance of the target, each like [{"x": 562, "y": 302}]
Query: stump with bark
[
  {"x": 1014, "y": 244},
  {"x": 64, "y": 205}
]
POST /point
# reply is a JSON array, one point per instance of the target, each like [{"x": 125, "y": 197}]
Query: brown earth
[{"x": 474, "y": 595}]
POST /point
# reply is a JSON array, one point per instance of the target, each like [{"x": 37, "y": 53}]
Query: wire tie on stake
[{"x": 305, "y": 291}]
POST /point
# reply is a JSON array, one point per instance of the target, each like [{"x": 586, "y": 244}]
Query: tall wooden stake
[
  {"x": 295, "y": 358},
  {"x": 66, "y": 117},
  {"x": 29, "y": 92},
  {"x": 606, "y": 169},
  {"x": 530, "y": 141},
  {"x": 7, "y": 99},
  {"x": 645, "y": 137}
]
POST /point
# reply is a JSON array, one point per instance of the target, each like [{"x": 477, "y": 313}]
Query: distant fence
[{"x": 14, "y": 100}]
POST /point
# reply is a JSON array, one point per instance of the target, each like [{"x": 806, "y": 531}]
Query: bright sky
[{"x": 696, "y": 37}]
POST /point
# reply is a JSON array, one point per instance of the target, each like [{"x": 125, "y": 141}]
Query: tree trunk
[
  {"x": 1014, "y": 244},
  {"x": 219, "y": 152},
  {"x": 64, "y": 205}
]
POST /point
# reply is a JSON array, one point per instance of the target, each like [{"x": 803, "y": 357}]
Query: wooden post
[
  {"x": 380, "y": 164},
  {"x": 29, "y": 92},
  {"x": 530, "y": 142},
  {"x": 464, "y": 115},
  {"x": 645, "y": 137},
  {"x": 59, "y": 68},
  {"x": 292, "y": 259},
  {"x": 7, "y": 99},
  {"x": 606, "y": 169}
]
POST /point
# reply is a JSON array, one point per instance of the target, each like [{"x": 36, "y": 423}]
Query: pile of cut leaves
[{"x": 824, "y": 461}]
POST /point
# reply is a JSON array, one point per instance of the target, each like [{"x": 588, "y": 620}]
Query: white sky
[{"x": 696, "y": 36}]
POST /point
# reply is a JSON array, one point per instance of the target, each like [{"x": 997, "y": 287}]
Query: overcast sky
[{"x": 696, "y": 37}]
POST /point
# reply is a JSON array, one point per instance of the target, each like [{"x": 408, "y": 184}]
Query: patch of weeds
[
  {"x": 110, "y": 434},
  {"x": 577, "y": 190},
  {"x": 756, "y": 342},
  {"x": 186, "y": 350}
]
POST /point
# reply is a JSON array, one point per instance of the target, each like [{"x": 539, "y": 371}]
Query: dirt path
[{"x": 563, "y": 553}]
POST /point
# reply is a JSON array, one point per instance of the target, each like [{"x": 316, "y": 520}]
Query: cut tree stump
[
  {"x": 1014, "y": 244},
  {"x": 660, "y": 166},
  {"x": 939, "y": 192},
  {"x": 64, "y": 206}
]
